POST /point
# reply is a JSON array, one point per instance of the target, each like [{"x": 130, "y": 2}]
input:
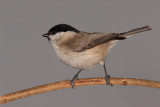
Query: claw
[
  {"x": 73, "y": 81},
  {"x": 74, "y": 78},
  {"x": 107, "y": 77},
  {"x": 72, "y": 84}
]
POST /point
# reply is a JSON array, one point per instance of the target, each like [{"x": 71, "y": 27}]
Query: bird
[{"x": 84, "y": 50}]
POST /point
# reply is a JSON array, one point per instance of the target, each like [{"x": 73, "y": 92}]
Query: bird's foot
[
  {"x": 73, "y": 81},
  {"x": 107, "y": 78}
]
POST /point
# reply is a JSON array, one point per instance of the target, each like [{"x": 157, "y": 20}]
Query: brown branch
[{"x": 80, "y": 82}]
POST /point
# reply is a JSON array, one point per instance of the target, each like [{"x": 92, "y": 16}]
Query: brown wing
[{"x": 84, "y": 41}]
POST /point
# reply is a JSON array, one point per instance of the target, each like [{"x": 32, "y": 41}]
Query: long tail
[{"x": 134, "y": 31}]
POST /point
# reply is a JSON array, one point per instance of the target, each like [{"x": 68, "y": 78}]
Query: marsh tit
[{"x": 83, "y": 50}]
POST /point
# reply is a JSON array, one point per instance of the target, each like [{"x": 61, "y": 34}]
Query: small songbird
[{"x": 83, "y": 50}]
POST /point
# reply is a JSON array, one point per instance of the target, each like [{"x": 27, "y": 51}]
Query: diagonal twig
[{"x": 80, "y": 82}]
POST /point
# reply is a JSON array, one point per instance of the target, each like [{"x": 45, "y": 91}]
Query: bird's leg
[
  {"x": 107, "y": 77},
  {"x": 74, "y": 78}
]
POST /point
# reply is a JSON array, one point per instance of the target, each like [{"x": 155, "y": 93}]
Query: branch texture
[{"x": 80, "y": 82}]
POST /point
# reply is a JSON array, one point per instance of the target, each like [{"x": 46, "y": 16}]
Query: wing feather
[{"x": 84, "y": 41}]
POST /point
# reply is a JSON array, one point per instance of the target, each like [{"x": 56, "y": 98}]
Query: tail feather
[{"x": 134, "y": 31}]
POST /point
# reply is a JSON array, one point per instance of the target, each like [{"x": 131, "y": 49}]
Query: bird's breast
[{"x": 81, "y": 60}]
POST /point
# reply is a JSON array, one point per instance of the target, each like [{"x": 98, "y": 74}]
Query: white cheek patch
[{"x": 57, "y": 36}]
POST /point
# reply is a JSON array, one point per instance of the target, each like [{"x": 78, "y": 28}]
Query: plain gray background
[{"x": 27, "y": 59}]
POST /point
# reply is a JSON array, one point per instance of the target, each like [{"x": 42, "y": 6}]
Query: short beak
[{"x": 47, "y": 36}]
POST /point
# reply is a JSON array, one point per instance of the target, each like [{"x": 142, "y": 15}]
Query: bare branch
[{"x": 80, "y": 82}]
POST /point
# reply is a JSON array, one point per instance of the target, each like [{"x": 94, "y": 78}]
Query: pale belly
[{"x": 83, "y": 60}]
